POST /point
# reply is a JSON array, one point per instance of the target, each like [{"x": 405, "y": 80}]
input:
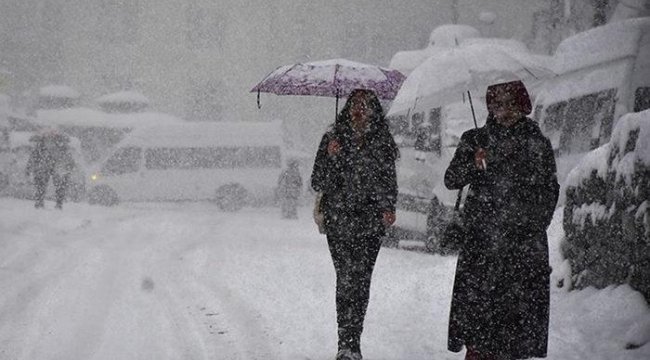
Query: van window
[
  {"x": 554, "y": 117},
  {"x": 641, "y": 99},
  {"x": 125, "y": 160},
  {"x": 416, "y": 121},
  {"x": 399, "y": 125},
  {"x": 427, "y": 134},
  {"x": 581, "y": 123},
  {"x": 578, "y": 124},
  {"x": 213, "y": 158}
]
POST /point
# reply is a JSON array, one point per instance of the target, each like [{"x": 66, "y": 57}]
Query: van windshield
[
  {"x": 125, "y": 160},
  {"x": 213, "y": 158}
]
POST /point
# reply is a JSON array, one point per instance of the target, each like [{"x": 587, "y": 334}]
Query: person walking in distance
[{"x": 50, "y": 158}]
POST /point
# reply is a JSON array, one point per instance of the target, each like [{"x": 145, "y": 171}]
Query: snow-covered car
[
  {"x": 22, "y": 186},
  {"x": 423, "y": 203},
  {"x": 231, "y": 163}
]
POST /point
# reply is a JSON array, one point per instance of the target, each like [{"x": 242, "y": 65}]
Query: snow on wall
[
  {"x": 611, "y": 186},
  {"x": 594, "y": 210},
  {"x": 624, "y": 166},
  {"x": 595, "y": 160}
]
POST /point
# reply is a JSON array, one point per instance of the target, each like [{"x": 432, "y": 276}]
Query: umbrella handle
[
  {"x": 471, "y": 105},
  {"x": 337, "y": 105},
  {"x": 259, "y": 106}
]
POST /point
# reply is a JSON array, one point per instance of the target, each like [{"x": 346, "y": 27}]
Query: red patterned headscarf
[{"x": 517, "y": 89}]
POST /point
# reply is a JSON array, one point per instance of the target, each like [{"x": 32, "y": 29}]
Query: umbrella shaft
[{"x": 471, "y": 105}]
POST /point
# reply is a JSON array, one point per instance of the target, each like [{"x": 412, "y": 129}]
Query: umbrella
[
  {"x": 332, "y": 78},
  {"x": 447, "y": 76}
]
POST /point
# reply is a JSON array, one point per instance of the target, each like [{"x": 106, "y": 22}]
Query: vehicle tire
[
  {"x": 103, "y": 195},
  {"x": 431, "y": 244},
  {"x": 231, "y": 197}
]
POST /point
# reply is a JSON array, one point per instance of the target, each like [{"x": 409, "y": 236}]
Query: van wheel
[
  {"x": 231, "y": 197},
  {"x": 103, "y": 195}
]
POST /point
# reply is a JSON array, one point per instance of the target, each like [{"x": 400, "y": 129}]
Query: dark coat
[
  {"x": 50, "y": 155},
  {"x": 500, "y": 301},
  {"x": 358, "y": 184}
]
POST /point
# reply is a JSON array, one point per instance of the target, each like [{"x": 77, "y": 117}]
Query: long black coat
[
  {"x": 500, "y": 302},
  {"x": 358, "y": 185}
]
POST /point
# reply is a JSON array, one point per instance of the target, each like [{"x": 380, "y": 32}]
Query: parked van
[
  {"x": 232, "y": 163},
  {"x": 602, "y": 74}
]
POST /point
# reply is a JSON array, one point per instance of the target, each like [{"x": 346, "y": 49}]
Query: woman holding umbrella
[
  {"x": 355, "y": 172},
  {"x": 500, "y": 301}
]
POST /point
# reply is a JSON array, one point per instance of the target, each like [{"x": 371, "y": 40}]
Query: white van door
[{"x": 122, "y": 173}]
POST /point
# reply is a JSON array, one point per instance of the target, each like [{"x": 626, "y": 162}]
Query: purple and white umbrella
[{"x": 333, "y": 78}]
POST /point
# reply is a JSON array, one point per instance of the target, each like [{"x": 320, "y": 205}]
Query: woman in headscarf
[
  {"x": 355, "y": 172},
  {"x": 500, "y": 301}
]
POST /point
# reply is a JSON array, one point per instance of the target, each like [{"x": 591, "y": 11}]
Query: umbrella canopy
[
  {"x": 333, "y": 78},
  {"x": 445, "y": 77}
]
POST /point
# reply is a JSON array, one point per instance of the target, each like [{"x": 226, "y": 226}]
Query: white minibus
[{"x": 232, "y": 163}]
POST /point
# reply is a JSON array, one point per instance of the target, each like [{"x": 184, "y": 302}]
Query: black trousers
[
  {"x": 354, "y": 257},
  {"x": 60, "y": 184}
]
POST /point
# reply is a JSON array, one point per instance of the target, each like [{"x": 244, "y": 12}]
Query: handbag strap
[{"x": 458, "y": 200}]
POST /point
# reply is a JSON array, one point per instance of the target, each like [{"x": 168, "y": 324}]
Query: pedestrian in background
[
  {"x": 354, "y": 171},
  {"x": 500, "y": 301},
  {"x": 289, "y": 190},
  {"x": 50, "y": 158}
]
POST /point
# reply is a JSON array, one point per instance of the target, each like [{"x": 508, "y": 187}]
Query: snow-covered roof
[
  {"x": 23, "y": 138},
  {"x": 601, "y": 44},
  {"x": 588, "y": 81},
  {"x": 511, "y": 44},
  {"x": 443, "y": 36},
  {"x": 96, "y": 118},
  {"x": 133, "y": 97},
  {"x": 59, "y": 91},
  {"x": 406, "y": 61},
  {"x": 206, "y": 134},
  {"x": 452, "y": 34}
]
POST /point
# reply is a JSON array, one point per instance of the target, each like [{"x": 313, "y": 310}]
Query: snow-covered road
[{"x": 186, "y": 281}]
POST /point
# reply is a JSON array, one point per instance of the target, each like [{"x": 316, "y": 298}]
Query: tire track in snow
[{"x": 246, "y": 326}]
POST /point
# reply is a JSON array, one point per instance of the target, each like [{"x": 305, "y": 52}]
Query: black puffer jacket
[
  {"x": 358, "y": 184},
  {"x": 500, "y": 301}
]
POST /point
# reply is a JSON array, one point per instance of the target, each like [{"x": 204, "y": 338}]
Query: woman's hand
[
  {"x": 388, "y": 217},
  {"x": 333, "y": 148},
  {"x": 480, "y": 159}
]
